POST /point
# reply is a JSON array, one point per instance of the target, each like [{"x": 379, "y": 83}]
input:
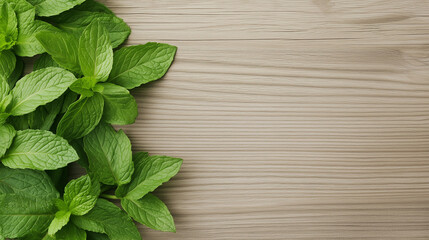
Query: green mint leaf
[
  {"x": 109, "y": 154},
  {"x": 3, "y": 117},
  {"x": 93, "y": 6},
  {"x": 96, "y": 236},
  {"x": 98, "y": 88},
  {"x": 150, "y": 172},
  {"x": 5, "y": 101},
  {"x": 83, "y": 159},
  {"x": 8, "y": 27},
  {"x": 20, "y": 215},
  {"x": 38, "y": 88},
  {"x": 35, "y": 236},
  {"x": 26, "y": 200},
  {"x": 45, "y": 60},
  {"x": 24, "y": 11},
  {"x": 7, "y": 133},
  {"x": 84, "y": 86},
  {"x": 81, "y": 117},
  {"x": 120, "y": 107},
  {"x": 81, "y": 195},
  {"x": 26, "y": 182},
  {"x": 69, "y": 98},
  {"x": 47, "y": 237},
  {"x": 63, "y": 47},
  {"x": 27, "y": 44},
  {"x": 107, "y": 218},
  {"x": 150, "y": 211},
  {"x": 5, "y": 98},
  {"x": 60, "y": 220},
  {"x": 7, "y": 66},
  {"x": 60, "y": 178},
  {"x": 17, "y": 73},
  {"x": 19, "y": 123},
  {"x": 44, "y": 116},
  {"x": 46, "y": 8},
  {"x": 137, "y": 65},
  {"x": 95, "y": 52},
  {"x": 40, "y": 150},
  {"x": 75, "y": 21},
  {"x": 89, "y": 222},
  {"x": 61, "y": 205},
  {"x": 71, "y": 232}
]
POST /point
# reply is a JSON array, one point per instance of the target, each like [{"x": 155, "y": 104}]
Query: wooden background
[{"x": 297, "y": 119}]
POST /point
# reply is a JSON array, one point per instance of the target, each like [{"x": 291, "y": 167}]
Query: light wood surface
[{"x": 296, "y": 119}]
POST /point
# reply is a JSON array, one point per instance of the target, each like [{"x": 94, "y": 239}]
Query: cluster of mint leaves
[{"x": 63, "y": 112}]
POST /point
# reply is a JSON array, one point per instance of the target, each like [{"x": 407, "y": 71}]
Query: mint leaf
[
  {"x": 26, "y": 182},
  {"x": 120, "y": 107},
  {"x": 90, "y": 222},
  {"x": 44, "y": 116},
  {"x": 3, "y": 117},
  {"x": 60, "y": 220},
  {"x": 35, "y": 236},
  {"x": 61, "y": 205},
  {"x": 40, "y": 150},
  {"x": 48, "y": 237},
  {"x": 96, "y": 236},
  {"x": 93, "y": 6},
  {"x": 150, "y": 211},
  {"x": 109, "y": 154},
  {"x": 83, "y": 159},
  {"x": 8, "y": 27},
  {"x": 63, "y": 47},
  {"x": 109, "y": 219},
  {"x": 75, "y": 21},
  {"x": 27, "y": 44},
  {"x": 20, "y": 215},
  {"x": 95, "y": 52},
  {"x": 84, "y": 86},
  {"x": 17, "y": 72},
  {"x": 69, "y": 98},
  {"x": 7, "y": 65},
  {"x": 19, "y": 123},
  {"x": 38, "y": 88},
  {"x": 45, "y": 60},
  {"x": 24, "y": 11},
  {"x": 81, "y": 117},
  {"x": 26, "y": 200},
  {"x": 150, "y": 172},
  {"x": 81, "y": 195},
  {"x": 70, "y": 232},
  {"x": 59, "y": 178},
  {"x": 5, "y": 98},
  {"x": 46, "y": 8},
  {"x": 7, "y": 133},
  {"x": 137, "y": 65}
]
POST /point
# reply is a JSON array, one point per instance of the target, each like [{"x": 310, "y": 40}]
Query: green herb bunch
[{"x": 62, "y": 113}]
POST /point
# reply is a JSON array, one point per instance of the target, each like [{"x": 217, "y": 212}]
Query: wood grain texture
[{"x": 296, "y": 119}]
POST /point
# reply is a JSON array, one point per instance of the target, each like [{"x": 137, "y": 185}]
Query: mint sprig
[{"x": 61, "y": 113}]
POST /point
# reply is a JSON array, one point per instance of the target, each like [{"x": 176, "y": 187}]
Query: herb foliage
[{"x": 62, "y": 113}]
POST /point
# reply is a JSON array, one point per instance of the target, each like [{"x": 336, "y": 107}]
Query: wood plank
[{"x": 296, "y": 119}]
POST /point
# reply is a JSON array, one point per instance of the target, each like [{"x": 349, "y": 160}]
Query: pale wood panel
[{"x": 296, "y": 119}]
